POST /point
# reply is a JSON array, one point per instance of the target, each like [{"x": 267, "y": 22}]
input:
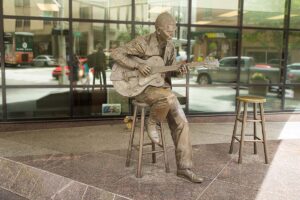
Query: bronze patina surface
[{"x": 163, "y": 103}]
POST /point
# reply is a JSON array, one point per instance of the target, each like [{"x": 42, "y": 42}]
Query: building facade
[{"x": 256, "y": 45}]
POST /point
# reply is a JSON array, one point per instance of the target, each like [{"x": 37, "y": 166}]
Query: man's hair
[{"x": 164, "y": 19}]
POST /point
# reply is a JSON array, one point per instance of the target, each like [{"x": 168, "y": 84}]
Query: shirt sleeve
[{"x": 136, "y": 47}]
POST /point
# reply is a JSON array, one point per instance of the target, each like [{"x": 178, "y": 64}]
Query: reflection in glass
[
  {"x": 212, "y": 12},
  {"x": 295, "y": 16},
  {"x": 38, "y": 103},
  {"x": 268, "y": 13},
  {"x": 41, "y": 8},
  {"x": 148, "y": 10},
  {"x": 1, "y": 113},
  {"x": 293, "y": 67},
  {"x": 102, "y": 9},
  {"x": 215, "y": 47},
  {"x": 216, "y": 99},
  {"x": 292, "y": 98},
  {"x": 93, "y": 43},
  {"x": 35, "y": 55},
  {"x": 264, "y": 49},
  {"x": 180, "y": 93},
  {"x": 273, "y": 95},
  {"x": 99, "y": 102}
]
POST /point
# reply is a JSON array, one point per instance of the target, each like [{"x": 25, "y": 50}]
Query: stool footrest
[
  {"x": 253, "y": 141},
  {"x": 254, "y": 120},
  {"x": 237, "y": 137},
  {"x": 148, "y": 144},
  {"x": 249, "y": 120},
  {"x": 151, "y": 152}
]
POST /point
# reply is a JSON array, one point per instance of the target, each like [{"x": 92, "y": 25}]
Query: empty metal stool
[
  {"x": 142, "y": 107},
  {"x": 241, "y": 139}
]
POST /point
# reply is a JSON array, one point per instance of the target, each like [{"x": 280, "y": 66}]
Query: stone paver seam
[
  {"x": 36, "y": 180},
  {"x": 214, "y": 179},
  {"x": 238, "y": 184},
  {"x": 12, "y": 183},
  {"x": 50, "y": 173},
  {"x": 14, "y": 192},
  {"x": 86, "y": 188}
]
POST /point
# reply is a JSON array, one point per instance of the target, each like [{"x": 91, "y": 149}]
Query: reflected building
[{"x": 249, "y": 39}]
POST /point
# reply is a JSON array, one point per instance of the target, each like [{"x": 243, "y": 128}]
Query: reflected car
[
  {"x": 44, "y": 60},
  {"x": 57, "y": 71},
  {"x": 227, "y": 71},
  {"x": 293, "y": 73}
]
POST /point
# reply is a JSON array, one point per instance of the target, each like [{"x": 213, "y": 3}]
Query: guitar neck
[{"x": 163, "y": 69}]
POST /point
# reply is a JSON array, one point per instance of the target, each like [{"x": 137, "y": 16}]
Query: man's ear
[{"x": 158, "y": 31}]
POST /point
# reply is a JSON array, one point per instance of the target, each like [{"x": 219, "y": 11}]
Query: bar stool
[
  {"x": 142, "y": 107},
  {"x": 241, "y": 139}
]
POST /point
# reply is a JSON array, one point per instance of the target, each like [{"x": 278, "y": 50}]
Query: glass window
[
  {"x": 41, "y": 8},
  {"x": 148, "y": 10},
  {"x": 102, "y": 9},
  {"x": 259, "y": 49},
  {"x": 295, "y": 17},
  {"x": 293, "y": 67},
  {"x": 268, "y": 13},
  {"x": 38, "y": 103},
  {"x": 97, "y": 40},
  {"x": 180, "y": 93},
  {"x": 217, "y": 48},
  {"x": 1, "y": 108},
  {"x": 35, "y": 55},
  {"x": 292, "y": 98},
  {"x": 213, "y": 12},
  {"x": 272, "y": 94},
  {"x": 99, "y": 102},
  {"x": 93, "y": 43},
  {"x": 211, "y": 99}
]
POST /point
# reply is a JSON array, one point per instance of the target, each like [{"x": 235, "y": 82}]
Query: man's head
[{"x": 165, "y": 26}]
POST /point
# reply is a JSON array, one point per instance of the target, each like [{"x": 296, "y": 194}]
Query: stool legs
[
  {"x": 235, "y": 126},
  {"x": 165, "y": 148},
  {"x": 131, "y": 137},
  {"x": 141, "y": 144},
  {"x": 153, "y": 154},
  {"x": 244, "y": 122},
  {"x": 139, "y": 169},
  {"x": 263, "y": 131},
  {"x": 242, "y": 131},
  {"x": 255, "y": 127}
]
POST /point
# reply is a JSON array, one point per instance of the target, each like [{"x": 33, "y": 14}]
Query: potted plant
[
  {"x": 258, "y": 90},
  {"x": 296, "y": 88}
]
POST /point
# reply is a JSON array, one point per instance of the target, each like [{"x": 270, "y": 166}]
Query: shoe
[
  {"x": 189, "y": 175},
  {"x": 152, "y": 132}
]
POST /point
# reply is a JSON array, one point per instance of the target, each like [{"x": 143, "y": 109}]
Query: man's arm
[{"x": 136, "y": 47}]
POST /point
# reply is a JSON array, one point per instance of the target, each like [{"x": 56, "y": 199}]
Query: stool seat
[
  {"x": 243, "y": 119},
  {"x": 142, "y": 107},
  {"x": 139, "y": 104},
  {"x": 251, "y": 99}
]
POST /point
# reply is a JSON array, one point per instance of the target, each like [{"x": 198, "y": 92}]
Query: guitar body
[{"x": 130, "y": 83}]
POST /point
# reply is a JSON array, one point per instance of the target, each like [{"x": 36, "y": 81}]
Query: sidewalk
[{"x": 88, "y": 162}]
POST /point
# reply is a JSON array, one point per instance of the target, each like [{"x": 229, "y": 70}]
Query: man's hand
[
  {"x": 144, "y": 69},
  {"x": 183, "y": 69}
]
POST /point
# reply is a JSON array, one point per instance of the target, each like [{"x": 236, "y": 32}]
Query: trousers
[{"x": 164, "y": 104}]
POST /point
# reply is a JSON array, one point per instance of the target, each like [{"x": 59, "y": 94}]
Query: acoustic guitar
[{"x": 130, "y": 83}]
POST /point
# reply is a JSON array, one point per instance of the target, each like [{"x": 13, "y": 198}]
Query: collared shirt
[{"x": 144, "y": 47}]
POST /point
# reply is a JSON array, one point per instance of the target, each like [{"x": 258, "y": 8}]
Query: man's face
[{"x": 166, "y": 32}]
